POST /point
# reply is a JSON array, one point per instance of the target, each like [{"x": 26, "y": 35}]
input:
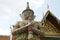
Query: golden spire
[{"x": 27, "y": 6}]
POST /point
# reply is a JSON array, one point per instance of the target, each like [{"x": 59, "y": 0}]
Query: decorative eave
[{"x": 51, "y": 34}]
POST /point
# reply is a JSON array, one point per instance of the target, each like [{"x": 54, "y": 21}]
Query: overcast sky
[{"x": 10, "y": 10}]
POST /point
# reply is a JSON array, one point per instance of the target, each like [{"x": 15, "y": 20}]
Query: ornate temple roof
[
  {"x": 50, "y": 17},
  {"x": 2, "y": 37}
]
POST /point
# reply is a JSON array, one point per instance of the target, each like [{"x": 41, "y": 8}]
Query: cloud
[
  {"x": 36, "y": 3},
  {"x": 6, "y": 11},
  {"x": 4, "y": 32}
]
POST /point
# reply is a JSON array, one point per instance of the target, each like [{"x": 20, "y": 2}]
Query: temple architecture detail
[{"x": 28, "y": 29}]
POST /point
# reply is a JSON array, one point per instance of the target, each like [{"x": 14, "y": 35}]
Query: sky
[{"x": 10, "y": 10}]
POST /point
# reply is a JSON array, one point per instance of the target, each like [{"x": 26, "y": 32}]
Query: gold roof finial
[{"x": 28, "y": 5}]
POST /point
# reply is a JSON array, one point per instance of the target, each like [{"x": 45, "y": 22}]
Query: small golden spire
[{"x": 28, "y": 5}]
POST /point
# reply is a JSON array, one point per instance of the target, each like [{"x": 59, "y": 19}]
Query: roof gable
[{"x": 51, "y": 18}]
